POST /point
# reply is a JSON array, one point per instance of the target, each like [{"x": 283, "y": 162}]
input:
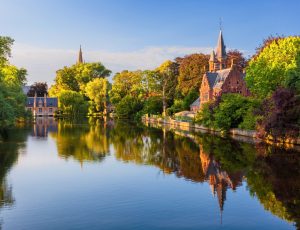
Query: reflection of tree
[
  {"x": 82, "y": 142},
  {"x": 170, "y": 153},
  {"x": 10, "y": 145},
  {"x": 275, "y": 180}
]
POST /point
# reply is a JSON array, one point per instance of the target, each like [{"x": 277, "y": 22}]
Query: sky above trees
[{"x": 135, "y": 34}]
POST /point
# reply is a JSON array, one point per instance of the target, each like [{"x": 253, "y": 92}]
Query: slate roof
[
  {"x": 25, "y": 89},
  {"x": 217, "y": 79},
  {"x": 50, "y": 101},
  {"x": 196, "y": 102}
]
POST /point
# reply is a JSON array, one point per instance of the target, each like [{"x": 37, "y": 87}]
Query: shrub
[
  {"x": 153, "y": 105},
  {"x": 229, "y": 111},
  {"x": 280, "y": 115},
  {"x": 128, "y": 107}
]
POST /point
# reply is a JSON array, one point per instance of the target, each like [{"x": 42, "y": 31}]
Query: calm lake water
[{"x": 115, "y": 175}]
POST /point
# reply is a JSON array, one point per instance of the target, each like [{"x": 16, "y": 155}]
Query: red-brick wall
[{"x": 234, "y": 83}]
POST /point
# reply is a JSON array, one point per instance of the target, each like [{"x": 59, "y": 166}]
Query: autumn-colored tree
[
  {"x": 266, "y": 42},
  {"x": 191, "y": 70},
  {"x": 40, "y": 88},
  {"x": 237, "y": 58},
  {"x": 168, "y": 72}
]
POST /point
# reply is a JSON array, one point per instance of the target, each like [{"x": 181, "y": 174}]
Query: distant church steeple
[{"x": 80, "y": 59}]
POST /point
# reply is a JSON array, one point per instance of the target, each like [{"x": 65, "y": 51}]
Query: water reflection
[
  {"x": 43, "y": 125},
  {"x": 11, "y": 144},
  {"x": 82, "y": 142},
  {"x": 272, "y": 175}
]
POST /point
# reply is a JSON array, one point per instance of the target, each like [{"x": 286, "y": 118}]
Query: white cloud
[{"x": 42, "y": 63}]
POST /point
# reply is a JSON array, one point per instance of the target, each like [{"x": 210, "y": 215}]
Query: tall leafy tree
[
  {"x": 127, "y": 83},
  {"x": 237, "y": 58},
  {"x": 72, "y": 103},
  {"x": 5, "y": 48},
  {"x": 168, "y": 79},
  {"x": 77, "y": 76},
  {"x": 97, "y": 91},
  {"x": 12, "y": 99},
  {"x": 276, "y": 63},
  {"x": 191, "y": 70}
]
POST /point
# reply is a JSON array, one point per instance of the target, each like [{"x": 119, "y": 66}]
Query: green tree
[
  {"x": 5, "y": 48},
  {"x": 168, "y": 76},
  {"x": 277, "y": 65},
  {"x": 128, "y": 107},
  {"x": 72, "y": 103},
  {"x": 229, "y": 111},
  {"x": 77, "y": 76},
  {"x": 192, "y": 95},
  {"x": 86, "y": 72},
  {"x": 97, "y": 90},
  {"x": 12, "y": 99},
  {"x": 127, "y": 83},
  {"x": 153, "y": 105}
]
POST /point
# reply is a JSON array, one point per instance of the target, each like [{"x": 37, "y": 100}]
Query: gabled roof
[
  {"x": 211, "y": 77},
  {"x": 222, "y": 75},
  {"x": 196, "y": 102},
  {"x": 216, "y": 79},
  {"x": 50, "y": 101}
]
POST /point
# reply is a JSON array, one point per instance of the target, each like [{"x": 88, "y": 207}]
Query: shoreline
[{"x": 238, "y": 134}]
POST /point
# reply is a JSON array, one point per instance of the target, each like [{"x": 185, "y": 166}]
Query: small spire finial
[{"x": 220, "y": 23}]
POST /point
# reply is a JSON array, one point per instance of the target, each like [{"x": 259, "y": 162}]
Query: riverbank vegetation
[
  {"x": 273, "y": 109},
  {"x": 81, "y": 89},
  {"x": 12, "y": 99}
]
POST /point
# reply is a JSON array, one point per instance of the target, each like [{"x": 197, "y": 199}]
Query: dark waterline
[{"x": 115, "y": 175}]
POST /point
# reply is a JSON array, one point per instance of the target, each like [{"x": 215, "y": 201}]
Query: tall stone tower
[
  {"x": 218, "y": 59},
  {"x": 80, "y": 59}
]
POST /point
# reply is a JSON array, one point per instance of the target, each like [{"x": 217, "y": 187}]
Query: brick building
[
  {"x": 221, "y": 78},
  {"x": 42, "y": 106}
]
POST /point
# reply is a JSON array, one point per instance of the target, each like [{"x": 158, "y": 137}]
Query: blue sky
[{"x": 135, "y": 34}]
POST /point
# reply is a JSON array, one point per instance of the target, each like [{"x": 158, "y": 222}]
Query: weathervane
[{"x": 220, "y": 23}]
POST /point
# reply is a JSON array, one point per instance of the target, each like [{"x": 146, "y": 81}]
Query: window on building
[
  {"x": 50, "y": 110},
  {"x": 40, "y": 110}
]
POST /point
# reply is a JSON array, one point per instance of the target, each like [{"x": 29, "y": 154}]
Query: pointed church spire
[
  {"x": 221, "y": 49},
  {"x": 212, "y": 56},
  {"x": 80, "y": 59}
]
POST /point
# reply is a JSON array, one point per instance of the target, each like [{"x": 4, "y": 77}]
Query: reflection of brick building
[
  {"x": 43, "y": 125},
  {"x": 42, "y": 106},
  {"x": 221, "y": 78},
  {"x": 218, "y": 179}
]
